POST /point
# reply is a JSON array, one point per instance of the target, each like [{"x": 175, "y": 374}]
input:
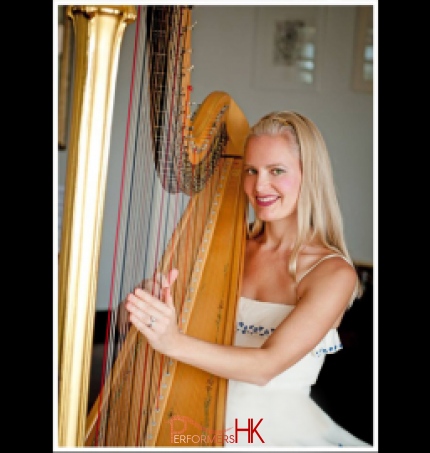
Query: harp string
[
  {"x": 129, "y": 166},
  {"x": 151, "y": 360},
  {"x": 169, "y": 178},
  {"x": 125, "y": 204},
  {"x": 135, "y": 207},
  {"x": 171, "y": 119}
]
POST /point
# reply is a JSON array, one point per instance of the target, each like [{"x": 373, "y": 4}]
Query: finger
[
  {"x": 153, "y": 322},
  {"x": 145, "y": 326},
  {"x": 143, "y": 313},
  {"x": 143, "y": 305},
  {"x": 168, "y": 282},
  {"x": 172, "y": 276},
  {"x": 143, "y": 297},
  {"x": 137, "y": 315},
  {"x": 153, "y": 284}
]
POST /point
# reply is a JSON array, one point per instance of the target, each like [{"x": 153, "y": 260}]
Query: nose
[{"x": 261, "y": 181}]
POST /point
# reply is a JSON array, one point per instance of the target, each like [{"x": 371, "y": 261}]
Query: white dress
[{"x": 290, "y": 418}]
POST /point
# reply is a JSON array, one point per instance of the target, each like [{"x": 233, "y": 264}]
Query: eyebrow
[{"x": 267, "y": 166}]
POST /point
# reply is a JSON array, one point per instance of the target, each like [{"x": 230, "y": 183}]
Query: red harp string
[{"x": 154, "y": 195}]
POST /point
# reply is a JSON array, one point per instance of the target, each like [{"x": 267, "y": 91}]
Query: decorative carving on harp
[{"x": 181, "y": 206}]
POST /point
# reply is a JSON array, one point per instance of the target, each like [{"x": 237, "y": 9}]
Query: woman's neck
[{"x": 279, "y": 236}]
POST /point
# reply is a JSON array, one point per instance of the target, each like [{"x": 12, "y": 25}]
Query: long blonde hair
[{"x": 318, "y": 211}]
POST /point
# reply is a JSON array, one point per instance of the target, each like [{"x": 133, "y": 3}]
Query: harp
[{"x": 146, "y": 398}]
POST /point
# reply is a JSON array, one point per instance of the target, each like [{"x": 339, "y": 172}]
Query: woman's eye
[
  {"x": 277, "y": 171},
  {"x": 250, "y": 171}
]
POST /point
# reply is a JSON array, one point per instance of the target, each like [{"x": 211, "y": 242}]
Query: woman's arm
[
  {"x": 164, "y": 336},
  {"x": 324, "y": 296}
]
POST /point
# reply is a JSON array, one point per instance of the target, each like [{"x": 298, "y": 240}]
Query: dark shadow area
[{"x": 345, "y": 385}]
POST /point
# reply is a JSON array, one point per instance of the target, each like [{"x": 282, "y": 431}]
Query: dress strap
[{"x": 320, "y": 261}]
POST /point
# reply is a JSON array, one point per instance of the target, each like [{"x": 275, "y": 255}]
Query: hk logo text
[{"x": 180, "y": 432}]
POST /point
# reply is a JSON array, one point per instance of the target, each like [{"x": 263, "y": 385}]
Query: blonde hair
[{"x": 318, "y": 211}]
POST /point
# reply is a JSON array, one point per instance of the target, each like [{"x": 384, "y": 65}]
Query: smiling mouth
[{"x": 265, "y": 201}]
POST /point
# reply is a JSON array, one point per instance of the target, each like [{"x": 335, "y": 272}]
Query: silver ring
[{"x": 152, "y": 320}]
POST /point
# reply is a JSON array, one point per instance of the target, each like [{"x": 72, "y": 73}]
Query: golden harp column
[{"x": 98, "y": 34}]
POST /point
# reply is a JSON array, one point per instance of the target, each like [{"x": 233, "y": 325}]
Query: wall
[
  {"x": 224, "y": 59},
  {"x": 223, "y": 56}
]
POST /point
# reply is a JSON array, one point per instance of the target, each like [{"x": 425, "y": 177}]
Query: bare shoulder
[{"x": 328, "y": 275}]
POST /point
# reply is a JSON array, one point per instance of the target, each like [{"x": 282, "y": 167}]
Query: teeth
[{"x": 266, "y": 198}]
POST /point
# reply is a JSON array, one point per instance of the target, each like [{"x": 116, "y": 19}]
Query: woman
[{"x": 298, "y": 281}]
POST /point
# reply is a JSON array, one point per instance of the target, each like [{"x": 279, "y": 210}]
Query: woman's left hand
[{"x": 156, "y": 318}]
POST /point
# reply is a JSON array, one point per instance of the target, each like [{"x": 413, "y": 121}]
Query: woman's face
[{"x": 273, "y": 177}]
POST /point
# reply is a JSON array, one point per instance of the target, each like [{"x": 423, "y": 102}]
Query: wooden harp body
[{"x": 147, "y": 399}]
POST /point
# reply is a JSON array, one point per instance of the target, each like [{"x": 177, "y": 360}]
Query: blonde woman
[{"x": 298, "y": 281}]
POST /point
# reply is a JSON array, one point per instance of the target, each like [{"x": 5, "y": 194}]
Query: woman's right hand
[
  {"x": 155, "y": 316},
  {"x": 153, "y": 286}
]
